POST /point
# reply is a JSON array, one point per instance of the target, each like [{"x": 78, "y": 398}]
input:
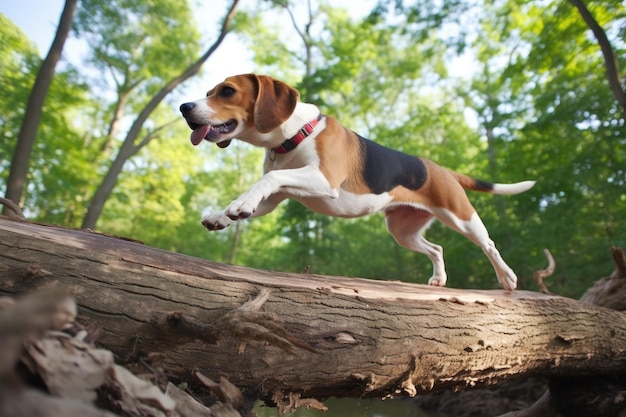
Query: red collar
[{"x": 302, "y": 134}]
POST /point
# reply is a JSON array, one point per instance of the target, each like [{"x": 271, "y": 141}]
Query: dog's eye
[{"x": 226, "y": 91}]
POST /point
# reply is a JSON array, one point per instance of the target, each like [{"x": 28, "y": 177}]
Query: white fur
[
  {"x": 347, "y": 204},
  {"x": 509, "y": 189},
  {"x": 302, "y": 115},
  {"x": 475, "y": 230}
]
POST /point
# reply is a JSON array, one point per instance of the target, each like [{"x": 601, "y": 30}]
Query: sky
[{"x": 38, "y": 20}]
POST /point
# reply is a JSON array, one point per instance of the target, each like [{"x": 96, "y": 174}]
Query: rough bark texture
[
  {"x": 279, "y": 334},
  {"x": 603, "y": 395}
]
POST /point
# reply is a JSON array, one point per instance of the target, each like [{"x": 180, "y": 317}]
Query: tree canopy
[{"x": 501, "y": 90}]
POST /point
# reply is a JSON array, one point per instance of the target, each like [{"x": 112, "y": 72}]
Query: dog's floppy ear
[{"x": 274, "y": 104}]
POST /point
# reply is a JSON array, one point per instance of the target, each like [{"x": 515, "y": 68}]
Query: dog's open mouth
[{"x": 211, "y": 132}]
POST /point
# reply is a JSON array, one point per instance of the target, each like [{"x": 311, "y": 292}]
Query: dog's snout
[{"x": 185, "y": 108}]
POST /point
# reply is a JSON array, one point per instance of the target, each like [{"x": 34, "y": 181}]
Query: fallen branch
[
  {"x": 541, "y": 274},
  {"x": 245, "y": 322},
  {"x": 14, "y": 210},
  {"x": 610, "y": 292},
  {"x": 542, "y": 408}
]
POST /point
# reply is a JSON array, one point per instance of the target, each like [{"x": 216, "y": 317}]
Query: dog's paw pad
[
  {"x": 240, "y": 209},
  {"x": 437, "y": 281},
  {"x": 216, "y": 222},
  {"x": 240, "y": 215},
  {"x": 212, "y": 226}
]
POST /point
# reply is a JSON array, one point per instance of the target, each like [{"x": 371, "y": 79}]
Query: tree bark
[
  {"x": 30, "y": 124},
  {"x": 601, "y": 396},
  {"x": 280, "y": 336}
]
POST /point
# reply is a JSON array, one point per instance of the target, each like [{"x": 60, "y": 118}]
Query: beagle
[{"x": 312, "y": 158}]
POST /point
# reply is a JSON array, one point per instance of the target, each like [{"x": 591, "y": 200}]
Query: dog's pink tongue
[{"x": 199, "y": 133}]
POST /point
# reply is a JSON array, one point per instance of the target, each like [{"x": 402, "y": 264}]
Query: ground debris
[
  {"x": 225, "y": 390},
  {"x": 50, "y": 367},
  {"x": 292, "y": 401}
]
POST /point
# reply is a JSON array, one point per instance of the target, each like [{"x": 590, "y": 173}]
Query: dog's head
[{"x": 243, "y": 107}]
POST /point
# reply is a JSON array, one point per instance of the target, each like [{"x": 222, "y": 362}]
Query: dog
[{"x": 313, "y": 159}]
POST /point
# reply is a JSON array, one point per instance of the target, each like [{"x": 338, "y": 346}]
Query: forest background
[{"x": 497, "y": 89}]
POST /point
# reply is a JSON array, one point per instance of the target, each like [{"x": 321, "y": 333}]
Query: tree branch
[
  {"x": 544, "y": 273},
  {"x": 610, "y": 60},
  {"x": 128, "y": 148},
  {"x": 152, "y": 134},
  {"x": 607, "y": 292},
  {"x": 11, "y": 209}
]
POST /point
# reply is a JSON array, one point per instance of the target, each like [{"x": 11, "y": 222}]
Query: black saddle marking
[{"x": 385, "y": 168}]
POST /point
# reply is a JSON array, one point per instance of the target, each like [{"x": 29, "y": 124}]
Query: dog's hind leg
[
  {"x": 407, "y": 225},
  {"x": 475, "y": 230}
]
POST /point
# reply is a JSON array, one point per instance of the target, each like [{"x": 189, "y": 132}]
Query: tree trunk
[
  {"x": 279, "y": 334},
  {"x": 30, "y": 124}
]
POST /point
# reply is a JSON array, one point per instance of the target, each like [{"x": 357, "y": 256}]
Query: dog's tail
[{"x": 473, "y": 184}]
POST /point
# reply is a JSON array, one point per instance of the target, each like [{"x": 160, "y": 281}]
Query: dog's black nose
[{"x": 186, "y": 108}]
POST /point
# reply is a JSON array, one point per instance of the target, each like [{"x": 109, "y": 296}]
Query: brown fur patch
[
  {"x": 239, "y": 105},
  {"x": 275, "y": 101},
  {"x": 341, "y": 160},
  {"x": 261, "y": 101}
]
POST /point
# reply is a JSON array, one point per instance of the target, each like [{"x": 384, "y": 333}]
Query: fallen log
[{"x": 284, "y": 337}]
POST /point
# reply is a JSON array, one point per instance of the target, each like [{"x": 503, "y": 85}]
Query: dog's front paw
[
  {"x": 217, "y": 221},
  {"x": 508, "y": 280},
  {"x": 241, "y": 209}
]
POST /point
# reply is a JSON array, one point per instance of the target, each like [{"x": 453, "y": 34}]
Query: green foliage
[
  {"x": 18, "y": 60},
  {"x": 136, "y": 42},
  {"x": 557, "y": 122},
  {"x": 60, "y": 174}
]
